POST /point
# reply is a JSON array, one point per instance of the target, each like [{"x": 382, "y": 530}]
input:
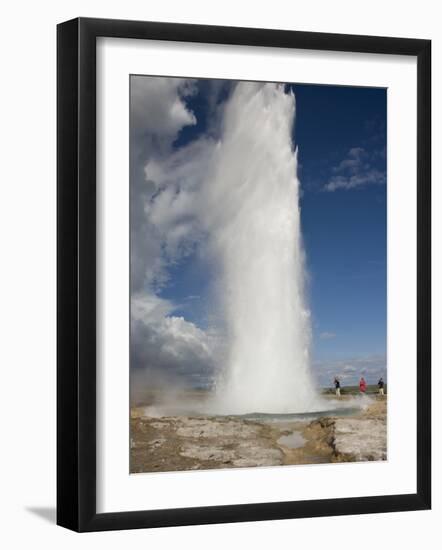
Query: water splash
[{"x": 254, "y": 223}]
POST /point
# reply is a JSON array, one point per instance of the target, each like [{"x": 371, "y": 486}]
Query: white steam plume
[
  {"x": 238, "y": 200},
  {"x": 253, "y": 219}
]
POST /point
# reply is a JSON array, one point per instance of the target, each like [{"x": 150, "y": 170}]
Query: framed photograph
[{"x": 243, "y": 274}]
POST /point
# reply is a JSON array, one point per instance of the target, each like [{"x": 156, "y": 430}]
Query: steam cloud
[{"x": 232, "y": 195}]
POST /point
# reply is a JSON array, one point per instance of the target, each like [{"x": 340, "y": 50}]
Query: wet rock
[
  {"x": 243, "y": 454},
  {"x": 207, "y": 452},
  {"x": 157, "y": 443},
  {"x": 360, "y": 439},
  {"x": 250, "y": 455},
  {"x": 173, "y": 443},
  {"x": 208, "y": 428}
]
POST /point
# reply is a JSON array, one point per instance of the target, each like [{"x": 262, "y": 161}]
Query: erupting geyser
[{"x": 256, "y": 238}]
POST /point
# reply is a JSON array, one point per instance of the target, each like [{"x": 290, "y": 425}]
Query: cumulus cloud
[
  {"x": 164, "y": 342},
  {"x": 157, "y": 107},
  {"x": 173, "y": 210},
  {"x": 157, "y": 113},
  {"x": 356, "y": 170},
  {"x": 163, "y": 191}
]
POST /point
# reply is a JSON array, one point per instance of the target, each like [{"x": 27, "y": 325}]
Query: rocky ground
[{"x": 171, "y": 443}]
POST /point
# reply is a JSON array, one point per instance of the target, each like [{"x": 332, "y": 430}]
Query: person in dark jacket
[
  {"x": 337, "y": 386},
  {"x": 381, "y": 386}
]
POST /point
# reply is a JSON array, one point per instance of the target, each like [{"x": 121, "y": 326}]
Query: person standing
[
  {"x": 337, "y": 386},
  {"x": 362, "y": 385},
  {"x": 381, "y": 386}
]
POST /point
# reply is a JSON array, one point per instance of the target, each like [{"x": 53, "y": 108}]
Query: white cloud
[
  {"x": 163, "y": 230},
  {"x": 168, "y": 344},
  {"x": 147, "y": 306},
  {"x": 356, "y": 170},
  {"x": 350, "y": 369},
  {"x": 157, "y": 105},
  {"x": 158, "y": 114},
  {"x": 351, "y": 162}
]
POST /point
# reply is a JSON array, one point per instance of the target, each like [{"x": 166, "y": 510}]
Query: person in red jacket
[{"x": 362, "y": 385}]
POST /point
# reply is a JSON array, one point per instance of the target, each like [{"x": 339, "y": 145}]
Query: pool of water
[
  {"x": 292, "y": 441},
  {"x": 257, "y": 416},
  {"x": 270, "y": 417}
]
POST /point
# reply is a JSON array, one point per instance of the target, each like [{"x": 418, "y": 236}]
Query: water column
[{"x": 255, "y": 237}]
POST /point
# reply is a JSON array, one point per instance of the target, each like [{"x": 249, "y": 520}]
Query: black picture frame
[{"x": 76, "y": 274}]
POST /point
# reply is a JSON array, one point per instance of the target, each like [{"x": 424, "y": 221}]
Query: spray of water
[{"x": 255, "y": 238}]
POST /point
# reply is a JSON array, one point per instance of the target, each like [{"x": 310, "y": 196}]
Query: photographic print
[
  {"x": 258, "y": 246},
  {"x": 222, "y": 271}
]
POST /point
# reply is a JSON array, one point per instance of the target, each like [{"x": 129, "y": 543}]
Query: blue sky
[
  {"x": 340, "y": 133},
  {"x": 345, "y": 229}
]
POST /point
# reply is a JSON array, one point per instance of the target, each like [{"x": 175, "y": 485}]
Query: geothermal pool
[{"x": 171, "y": 442}]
